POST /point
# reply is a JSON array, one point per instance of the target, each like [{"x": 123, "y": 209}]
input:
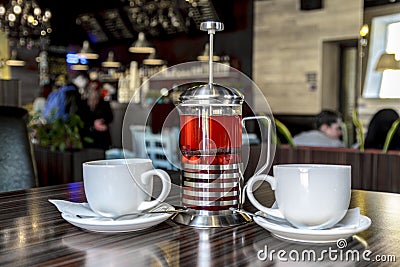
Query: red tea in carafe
[
  {"x": 211, "y": 157},
  {"x": 211, "y": 140}
]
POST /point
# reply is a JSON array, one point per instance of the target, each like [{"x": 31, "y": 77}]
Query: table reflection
[
  {"x": 118, "y": 249},
  {"x": 33, "y": 233},
  {"x": 217, "y": 247}
]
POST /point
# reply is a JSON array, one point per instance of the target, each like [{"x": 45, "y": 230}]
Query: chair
[
  {"x": 138, "y": 143},
  {"x": 17, "y": 164},
  {"x": 162, "y": 148}
]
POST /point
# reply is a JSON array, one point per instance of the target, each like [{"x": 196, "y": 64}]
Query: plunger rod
[
  {"x": 210, "y": 60},
  {"x": 211, "y": 27}
]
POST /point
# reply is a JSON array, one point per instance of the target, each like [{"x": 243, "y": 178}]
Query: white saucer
[
  {"x": 106, "y": 225},
  {"x": 287, "y": 232}
]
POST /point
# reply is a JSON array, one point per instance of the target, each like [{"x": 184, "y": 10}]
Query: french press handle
[
  {"x": 265, "y": 166},
  {"x": 269, "y": 126}
]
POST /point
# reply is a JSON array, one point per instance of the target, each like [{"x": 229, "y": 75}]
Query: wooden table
[{"x": 32, "y": 233}]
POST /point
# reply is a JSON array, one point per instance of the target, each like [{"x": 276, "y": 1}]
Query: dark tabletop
[{"x": 32, "y": 233}]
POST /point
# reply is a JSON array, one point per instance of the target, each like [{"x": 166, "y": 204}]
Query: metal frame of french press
[{"x": 222, "y": 218}]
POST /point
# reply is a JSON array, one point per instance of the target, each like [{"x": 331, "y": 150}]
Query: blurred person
[
  {"x": 66, "y": 99},
  {"x": 378, "y": 129},
  {"x": 328, "y": 131},
  {"x": 39, "y": 102},
  {"x": 97, "y": 117}
]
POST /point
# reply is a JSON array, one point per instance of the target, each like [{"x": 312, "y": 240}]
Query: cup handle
[
  {"x": 249, "y": 190},
  {"x": 166, "y": 187}
]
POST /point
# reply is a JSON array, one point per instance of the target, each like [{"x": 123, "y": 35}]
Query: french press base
[
  {"x": 223, "y": 181},
  {"x": 211, "y": 221}
]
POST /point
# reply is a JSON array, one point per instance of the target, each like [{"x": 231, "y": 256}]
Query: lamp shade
[
  {"x": 387, "y": 62},
  {"x": 110, "y": 61},
  {"x": 14, "y": 61},
  {"x": 153, "y": 60},
  {"x": 87, "y": 52},
  {"x": 205, "y": 56},
  {"x": 79, "y": 66},
  {"x": 141, "y": 45}
]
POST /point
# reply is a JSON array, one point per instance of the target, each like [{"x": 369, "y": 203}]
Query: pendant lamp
[{"x": 141, "y": 45}]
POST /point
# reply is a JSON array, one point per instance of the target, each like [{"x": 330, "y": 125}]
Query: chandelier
[{"x": 25, "y": 22}]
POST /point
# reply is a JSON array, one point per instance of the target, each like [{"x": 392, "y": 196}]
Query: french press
[{"x": 210, "y": 142}]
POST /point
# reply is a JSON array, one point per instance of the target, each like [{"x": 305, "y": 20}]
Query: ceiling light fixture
[
  {"x": 14, "y": 61},
  {"x": 87, "y": 52},
  {"x": 110, "y": 61},
  {"x": 141, "y": 45},
  {"x": 387, "y": 61},
  {"x": 79, "y": 66},
  {"x": 153, "y": 60},
  {"x": 25, "y": 21},
  {"x": 206, "y": 54}
]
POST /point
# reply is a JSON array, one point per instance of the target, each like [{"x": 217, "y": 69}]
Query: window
[
  {"x": 391, "y": 78},
  {"x": 385, "y": 37}
]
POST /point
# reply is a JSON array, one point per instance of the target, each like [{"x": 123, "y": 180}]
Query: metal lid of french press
[{"x": 211, "y": 92}]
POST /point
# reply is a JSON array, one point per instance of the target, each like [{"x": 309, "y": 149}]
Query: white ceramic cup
[
  {"x": 309, "y": 196},
  {"x": 120, "y": 186}
]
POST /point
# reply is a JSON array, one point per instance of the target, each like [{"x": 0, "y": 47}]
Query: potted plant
[
  {"x": 58, "y": 134},
  {"x": 59, "y": 150}
]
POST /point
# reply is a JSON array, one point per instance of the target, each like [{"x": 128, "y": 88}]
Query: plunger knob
[{"x": 212, "y": 26}]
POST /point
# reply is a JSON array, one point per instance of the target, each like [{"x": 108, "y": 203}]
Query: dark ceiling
[
  {"x": 113, "y": 22},
  {"x": 118, "y": 21}
]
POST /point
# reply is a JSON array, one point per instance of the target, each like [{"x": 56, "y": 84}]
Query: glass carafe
[{"x": 210, "y": 142}]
